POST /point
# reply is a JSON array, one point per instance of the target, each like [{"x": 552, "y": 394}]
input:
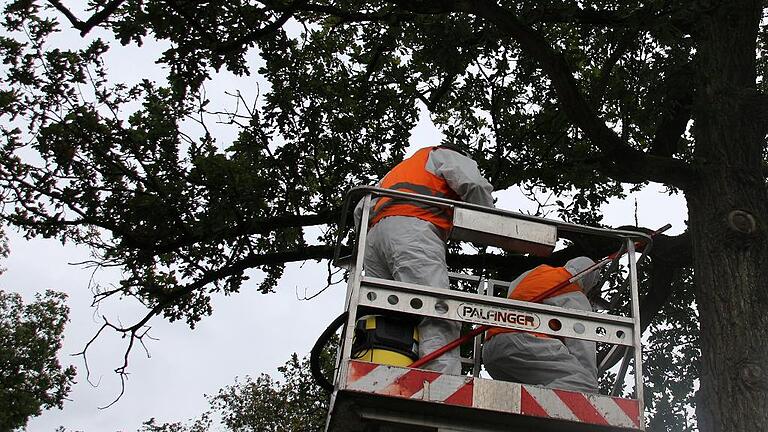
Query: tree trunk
[{"x": 728, "y": 218}]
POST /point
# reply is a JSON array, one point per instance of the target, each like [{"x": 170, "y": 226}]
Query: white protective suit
[
  {"x": 409, "y": 249},
  {"x": 527, "y": 359}
]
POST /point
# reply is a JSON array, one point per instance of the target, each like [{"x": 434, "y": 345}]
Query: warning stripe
[
  {"x": 358, "y": 370},
  {"x": 444, "y": 387},
  {"x": 529, "y": 406},
  {"x": 581, "y": 407},
  {"x": 376, "y": 379},
  {"x": 550, "y": 402},
  {"x": 410, "y": 383},
  {"x": 432, "y": 395},
  {"x": 631, "y": 408},
  {"x": 615, "y": 413},
  {"x": 460, "y": 390},
  {"x": 463, "y": 396}
]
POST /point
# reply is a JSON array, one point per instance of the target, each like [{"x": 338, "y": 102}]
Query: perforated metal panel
[{"x": 498, "y": 312}]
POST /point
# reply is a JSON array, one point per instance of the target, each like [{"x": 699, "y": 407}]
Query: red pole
[{"x": 455, "y": 343}]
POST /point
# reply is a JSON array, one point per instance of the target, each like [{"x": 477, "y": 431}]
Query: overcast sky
[{"x": 248, "y": 334}]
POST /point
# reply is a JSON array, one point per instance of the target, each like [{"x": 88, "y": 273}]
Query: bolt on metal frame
[{"x": 366, "y": 294}]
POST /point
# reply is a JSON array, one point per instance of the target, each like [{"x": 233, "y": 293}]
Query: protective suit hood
[{"x": 579, "y": 264}]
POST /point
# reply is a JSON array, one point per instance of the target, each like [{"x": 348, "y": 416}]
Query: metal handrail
[{"x": 356, "y": 193}]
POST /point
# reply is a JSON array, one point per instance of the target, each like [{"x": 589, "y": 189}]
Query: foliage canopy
[
  {"x": 31, "y": 377},
  {"x": 573, "y": 98}
]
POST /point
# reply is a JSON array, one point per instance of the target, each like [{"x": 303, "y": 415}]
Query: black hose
[{"x": 317, "y": 349}]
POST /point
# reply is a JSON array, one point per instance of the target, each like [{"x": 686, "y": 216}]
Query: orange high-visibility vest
[
  {"x": 539, "y": 280},
  {"x": 411, "y": 176}
]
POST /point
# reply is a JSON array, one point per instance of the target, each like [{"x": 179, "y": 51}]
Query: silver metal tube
[
  {"x": 477, "y": 346},
  {"x": 353, "y": 287},
  {"x": 622, "y": 371},
  {"x": 447, "y": 203},
  {"x": 637, "y": 334},
  {"x": 463, "y": 277}
]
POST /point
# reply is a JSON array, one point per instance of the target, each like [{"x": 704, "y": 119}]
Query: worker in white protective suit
[
  {"x": 406, "y": 241},
  {"x": 534, "y": 358}
]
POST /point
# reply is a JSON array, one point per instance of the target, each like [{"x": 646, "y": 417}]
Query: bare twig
[
  {"x": 329, "y": 283},
  {"x": 83, "y": 353},
  {"x": 99, "y": 296}
]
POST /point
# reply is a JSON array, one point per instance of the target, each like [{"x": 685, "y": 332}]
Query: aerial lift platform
[{"x": 369, "y": 397}]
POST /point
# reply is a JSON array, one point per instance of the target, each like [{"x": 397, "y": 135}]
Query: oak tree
[{"x": 574, "y": 98}]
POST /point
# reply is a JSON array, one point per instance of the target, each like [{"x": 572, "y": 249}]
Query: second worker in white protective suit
[
  {"x": 533, "y": 358},
  {"x": 407, "y": 239}
]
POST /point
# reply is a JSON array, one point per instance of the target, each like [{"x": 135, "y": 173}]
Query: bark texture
[{"x": 728, "y": 213}]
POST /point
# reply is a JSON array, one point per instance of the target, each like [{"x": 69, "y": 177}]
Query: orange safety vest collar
[
  {"x": 539, "y": 280},
  {"x": 412, "y": 176}
]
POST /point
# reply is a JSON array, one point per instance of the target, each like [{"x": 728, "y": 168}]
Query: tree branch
[
  {"x": 641, "y": 17},
  {"x": 659, "y": 292},
  {"x": 441, "y": 90},
  {"x": 251, "y": 261},
  {"x": 645, "y": 17},
  {"x": 254, "y": 226},
  {"x": 636, "y": 165},
  {"x": 587, "y": 16},
  {"x": 676, "y": 111},
  {"x": 256, "y": 34},
  {"x": 624, "y": 39},
  {"x": 347, "y": 15},
  {"x": 95, "y": 19}
]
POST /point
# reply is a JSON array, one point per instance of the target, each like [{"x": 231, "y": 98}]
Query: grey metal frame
[
  {"x": 377, "y": 293},
  {"x": 401, "y": 296}
]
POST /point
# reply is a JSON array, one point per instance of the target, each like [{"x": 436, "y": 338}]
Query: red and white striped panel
[
  {"x": 580, "y": 407},
  {"x": 410, "y": 383},
  {"x": 492, "y": 395}
]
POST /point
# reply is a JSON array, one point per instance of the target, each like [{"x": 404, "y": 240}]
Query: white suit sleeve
[
  {"x": 462, "y": 176},
  {"x": 358, "y": 213}
]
